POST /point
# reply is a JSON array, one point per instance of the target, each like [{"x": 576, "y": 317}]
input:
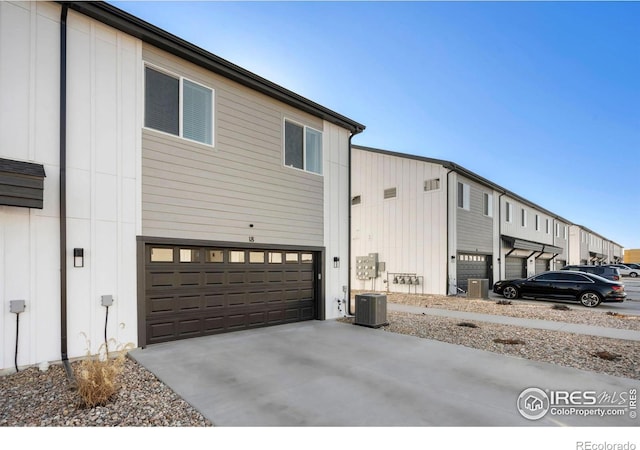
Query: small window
[
  {"x": 537, "y": 222},
  {"x": 523, "y": 217},
  {"x": 161, "y": 254},
  {"x": 189, "y": 255},
  {"x": 275, "y": 258},
  {"x": 306, "y": 258},
  {"x": 463, "y": 196},
  {"x": 256, "y": 257},
  {"x": 432, "y": 185},
  {"x": 390, "y": 193},
  {"x": 236, "y": 256},
  {"x": 508, "y": 212},
  {"x": 547, "y": 226},
  {"x": 356, "y": 200},
  {"x": 215, "y": 256},
  {"x": 291, "y": 257},
  {"x": 487, "y": 204},
  {"x": 302, "y": 147}
]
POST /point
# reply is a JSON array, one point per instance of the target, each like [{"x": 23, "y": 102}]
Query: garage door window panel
[
  {"x": 189, "y": 255},
  {"x": 161, "y": 254}
]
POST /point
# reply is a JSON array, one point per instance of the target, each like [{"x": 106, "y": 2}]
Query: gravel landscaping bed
[
  {"x": 575, "y": 314},
  {"x": 44, "y": 399}
]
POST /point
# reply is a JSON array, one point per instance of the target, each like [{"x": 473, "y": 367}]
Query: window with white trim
[
  {"x": 537, "y": 222},
  {"x": 463, "y": 196},
  {"x": 523, "y": 218},
  {"x": 487, "y": 204},
  {"x": 508, "y": 212},
  {"x": 178, "y": 106},
  {"x": 548, "y": 226},
  {"x": 302, "y": 147}
]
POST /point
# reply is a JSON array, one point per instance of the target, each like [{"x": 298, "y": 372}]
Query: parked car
[
  {"x": 589, "y": 289},
  {"x": 625, "y": 270},
  {"x": 633, "y": 265},
  {"x": 610, "y": 273}
]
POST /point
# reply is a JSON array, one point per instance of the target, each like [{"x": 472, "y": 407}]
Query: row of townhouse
[
  {"x": 152, "y": 191},
  {"x": 423, "y": 225}
]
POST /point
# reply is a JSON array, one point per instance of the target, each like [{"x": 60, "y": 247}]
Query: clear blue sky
[{"x": 542, "y": 98}]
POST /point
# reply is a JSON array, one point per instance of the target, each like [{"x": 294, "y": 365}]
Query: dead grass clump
[
  {"x": 468, "y": 325},
  {"x": 509, "y": 341},
  {"x": 561, "y": 307},
  {"x": 616, "y": 314},
  {"x": 607, "y": 355},
  {"x": 503, "y": 302},
  {"x": 97, "y": 376}
]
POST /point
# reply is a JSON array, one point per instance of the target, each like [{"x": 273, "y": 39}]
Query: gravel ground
[{"x": 45, "y": 399}]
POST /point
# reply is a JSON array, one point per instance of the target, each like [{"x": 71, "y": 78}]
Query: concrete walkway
[{"x": 552, "y": 325}]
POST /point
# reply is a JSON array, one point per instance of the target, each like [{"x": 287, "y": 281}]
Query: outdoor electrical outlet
[
  {"x": 107, "y": 300},
  {"x": 16, "y": 306}
]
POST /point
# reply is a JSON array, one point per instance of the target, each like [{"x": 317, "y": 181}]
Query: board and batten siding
[
  {"x": 407, "y": 231},
  {"x": 195, "y": 191},
  {"x": 103, "y": 150}
]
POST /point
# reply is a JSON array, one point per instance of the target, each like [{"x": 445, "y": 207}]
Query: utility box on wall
[
  {"x": 367, "y": 266},
  {"x": 371, "y": 310}
]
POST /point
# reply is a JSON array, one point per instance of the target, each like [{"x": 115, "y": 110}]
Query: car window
[
  {"x": 574, "y": 277},
  {"x": 546, "y": 277}
]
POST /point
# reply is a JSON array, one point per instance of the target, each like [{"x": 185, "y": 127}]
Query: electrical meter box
[{"x": 367, "y": 266}]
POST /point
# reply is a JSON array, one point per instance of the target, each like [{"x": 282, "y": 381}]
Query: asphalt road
[{"x": 630, "y": 306}]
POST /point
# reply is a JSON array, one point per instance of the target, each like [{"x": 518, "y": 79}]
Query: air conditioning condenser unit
[{"x": 371, "y": 310}]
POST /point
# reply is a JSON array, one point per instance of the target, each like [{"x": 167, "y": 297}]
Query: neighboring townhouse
[
  {"x": 153, "y": 191},
  {"x": 432, "y": 225},
  {"x": 589, "y": 247},
  {"x": 632, "y": 255}
]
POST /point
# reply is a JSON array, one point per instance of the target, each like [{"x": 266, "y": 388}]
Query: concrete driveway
[{"x": 328, "y": 373}]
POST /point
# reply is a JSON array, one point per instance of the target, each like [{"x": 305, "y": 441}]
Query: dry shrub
[
  {"x": 468, "y": 325},
  {"x": 97, "y": 376},
  {"x": 509, "y": 341},
  {"x": 503, "y": 302},
  {"x": 607, "y": 355},
  {"x": 561, "y": 307}
]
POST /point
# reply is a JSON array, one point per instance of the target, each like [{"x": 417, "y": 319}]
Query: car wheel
[
  {"x": 510, "y": 292},
  {"x": 633, "y": 274},
  {"x": 590, "y": 299}
]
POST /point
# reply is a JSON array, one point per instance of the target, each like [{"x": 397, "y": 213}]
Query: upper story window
[
  {"x": 537, "y": 222},
  {"x": 432, "y": 184},
  {"x": 463, "y": 196},
  {"x": 302, "y": 147},
  {"x": 487, "y": 204},
  {"x": 523, "y": 217},
  {"x": 547, "y": 226},
  {"x": 508, "y": 212},
  {"x": 390, "y": 193},
  {"x": 177, "y": 106}
]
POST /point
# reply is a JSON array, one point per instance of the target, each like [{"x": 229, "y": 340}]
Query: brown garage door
[{"x": 198, "y": 291}]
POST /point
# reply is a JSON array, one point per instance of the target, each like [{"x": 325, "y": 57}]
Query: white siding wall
[
  {"x": 102, "y": 151},
  {"x": 409, "y": 231},
  {"x": 29, "y": 268},
  {"x": 335, "y": 143}
]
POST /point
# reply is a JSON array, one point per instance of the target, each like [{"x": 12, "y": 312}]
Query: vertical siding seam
[
  {"x": 119, "y": 144},
  {"x": 92, "y": 176}
]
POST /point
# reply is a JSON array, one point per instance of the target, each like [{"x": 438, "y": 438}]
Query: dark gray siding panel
[{"x": 474, "y": 229}]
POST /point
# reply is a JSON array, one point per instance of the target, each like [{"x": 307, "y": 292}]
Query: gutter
[{"x": 63, "y": 193}]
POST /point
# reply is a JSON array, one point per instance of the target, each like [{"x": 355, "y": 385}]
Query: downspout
[
  {"x": 63, "y": 193},
  {"x": 448, "y": 282},
  {"x": 500, "y": 237},
  {"x": 348, "y": 293}
]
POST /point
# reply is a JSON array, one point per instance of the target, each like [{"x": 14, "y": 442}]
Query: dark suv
[{"x": 608, "y": 272}]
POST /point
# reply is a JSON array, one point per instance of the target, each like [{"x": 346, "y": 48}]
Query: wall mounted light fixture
[{"x": 78, "y": 257}]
